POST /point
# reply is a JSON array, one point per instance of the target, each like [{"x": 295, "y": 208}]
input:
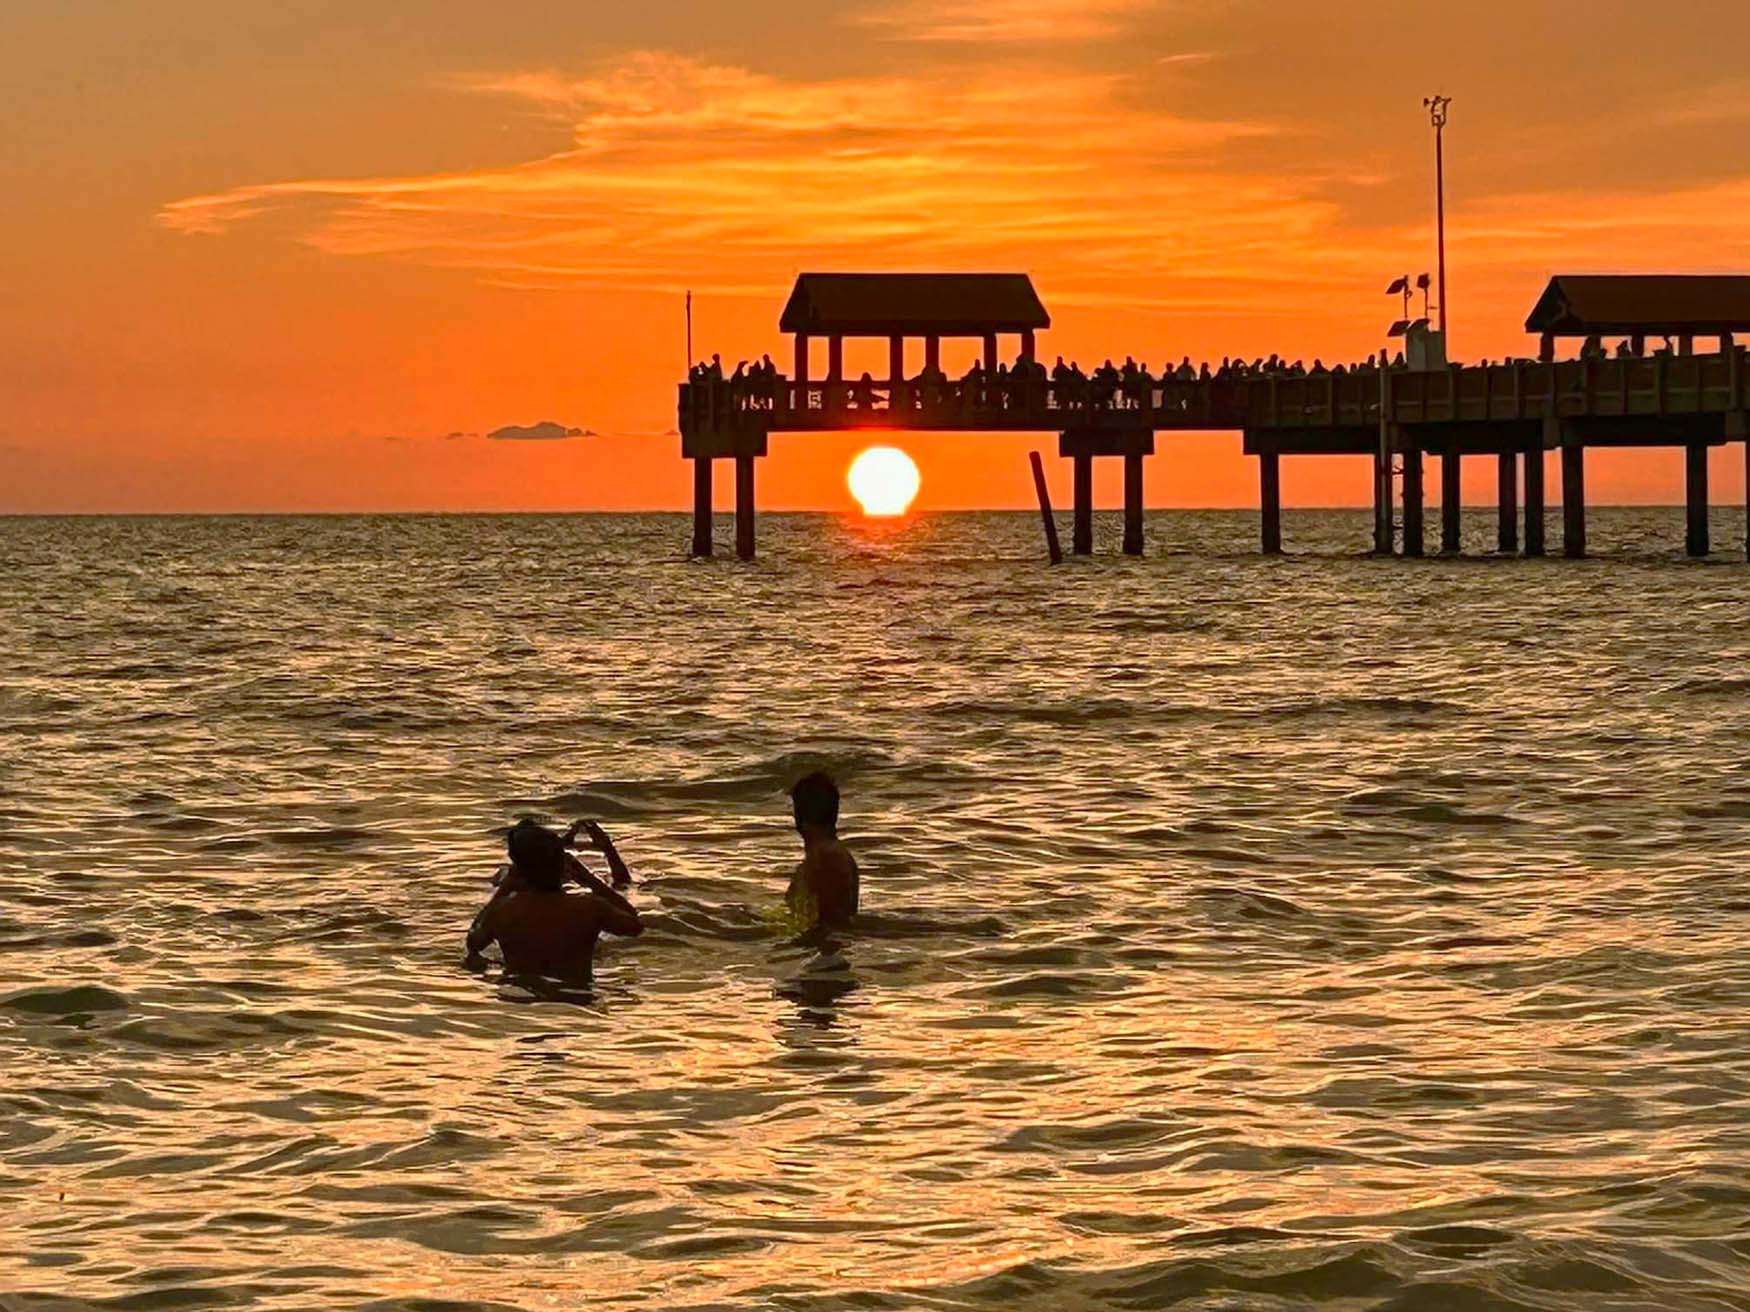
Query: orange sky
[{"x": 272, "y": 257}]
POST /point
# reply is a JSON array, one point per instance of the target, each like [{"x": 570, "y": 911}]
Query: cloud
[
  {"x": 983, "y": 21},
  {"x": 687, "y": 173},
  {"x": 545, "y": 431}
]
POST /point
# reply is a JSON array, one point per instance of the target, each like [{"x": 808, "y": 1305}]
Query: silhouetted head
[
  {"x": 814, "y": 800},
  {"x": 537, "y": 854}
]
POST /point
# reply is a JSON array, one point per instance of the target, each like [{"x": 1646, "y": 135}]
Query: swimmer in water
[
  {"x": 823, "y": 891},
  {"x": 540, "y": 928}
]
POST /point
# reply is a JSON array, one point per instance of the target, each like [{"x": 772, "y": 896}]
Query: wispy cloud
[
  {"x": 685, "y": 173},
  {"x": 1015, "y": 21},
  {"x": 690, "y": 173}
]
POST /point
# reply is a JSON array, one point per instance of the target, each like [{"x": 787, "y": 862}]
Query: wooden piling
[
  {"x": 1270, "y": 501},
  {"x": 1383, "y": 529},
  {"x": 701, "y": 505},
  {"x": 1082, "y": 528},
  {"x": 744, "y": 507},
  {"x": 1413, "y": 540},
  {"x": 1450, "y": 501},
  {"x": 1573, "y": 498},
  {"x": 1695, "y": 487},
  {"x": 1133, "y": 503},
  {"x": 1507, "y": 503},
  {"x": 1534, "y": 501},
  {"x": 1052, "y": 547}
]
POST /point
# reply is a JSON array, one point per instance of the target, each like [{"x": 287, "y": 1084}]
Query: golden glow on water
[
  {"x": 1311, "y": 933},
  {"x": 884, "y": 480}
]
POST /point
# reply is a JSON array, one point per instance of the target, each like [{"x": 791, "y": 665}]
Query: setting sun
[{"x": 884, "y": 480}]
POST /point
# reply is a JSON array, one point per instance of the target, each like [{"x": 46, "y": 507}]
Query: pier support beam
[
  {"x": 1133, "y": 503},
  {"x": 1534, "y": 500},
  {"x": 1507, "y": 503},
  {"x": 1382, "y": 502},
  {"x": 1450, "y": 501},
  {"x": 744, "y": 507},
  {"x": 1695, "y": 500},
  {"x": 1413, "y": 540},
  {"x": 1082, "y": 495},
  {"x": 1573, "y": 498},
  {"x": 1270, "y": 501},
  {"x": 701, "y": 505}
]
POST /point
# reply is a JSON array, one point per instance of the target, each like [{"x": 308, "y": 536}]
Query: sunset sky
[{"x": 306, "y": 255}]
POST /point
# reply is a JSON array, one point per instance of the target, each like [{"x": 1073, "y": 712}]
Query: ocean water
[{"x": 1318, "y": 932}]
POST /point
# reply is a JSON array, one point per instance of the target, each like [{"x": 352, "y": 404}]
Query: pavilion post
[
  {"x": 801, "y": 359},
  {"x": 835, "y": 359},
  {"x": 990, "y": 353},
  {"x": 932, "y": 353},
  {"x": 1450, "y": 501},
  {"x": 1507, "y": 503},
  {"x": 744, "y": 507},
  {"x": 896, "y": 359},
  {"x": 1695, "y": 499},
  {"x": 1133, "y": 503},
  {"x": 1270, "y": 501},
  {"x": 701, "y": 505},
  {"x": 1082, "y": 492},
  {"x": 1027, "y": 345}
]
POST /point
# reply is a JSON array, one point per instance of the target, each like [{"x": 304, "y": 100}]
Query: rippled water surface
[{"x": 1243, "y": 934}]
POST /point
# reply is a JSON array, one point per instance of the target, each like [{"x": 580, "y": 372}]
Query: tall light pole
[{"x": 1437, "y": 107}]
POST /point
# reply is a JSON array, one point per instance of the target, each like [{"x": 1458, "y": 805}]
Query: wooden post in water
[
  {"x": 1534, "y": 500},
  {"x": 1450, "y": 501},
  {"x": 1270, "y": 501},
  {"x": 1507, "y": 503},
  {"x": 1133, "y": 503},
  {"x": 1695, "y": 499},
  {"x": 1051, "y": 544},
  {"x": 1413, "y": 541},
  {"x": 744, "y": 507},
  {"x": 1573, "y": 498},
  {"x": 701, "y": 505},
  {"x": 1082, "y": 489}
]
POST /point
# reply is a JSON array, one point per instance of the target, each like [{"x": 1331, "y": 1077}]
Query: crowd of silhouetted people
[{"x": 1026, "y": 384}]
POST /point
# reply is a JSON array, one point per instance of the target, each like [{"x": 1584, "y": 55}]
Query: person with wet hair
[
  {"x": 540, "y": 927},
  {"x": 823, "y": 891}
]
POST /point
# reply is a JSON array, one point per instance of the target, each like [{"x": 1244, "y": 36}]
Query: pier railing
[{"x": 1514, "y": 391}]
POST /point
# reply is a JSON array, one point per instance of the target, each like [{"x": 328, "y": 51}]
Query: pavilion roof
[
  {"x": 1637, "y": 304},
  {"x": 913, "y": 305}
]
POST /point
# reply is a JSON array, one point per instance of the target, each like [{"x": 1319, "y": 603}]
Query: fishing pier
[{"x": 1512, "y": 413}]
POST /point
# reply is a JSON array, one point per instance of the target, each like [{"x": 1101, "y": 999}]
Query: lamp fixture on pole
[{"x": 1437, "y": 107}]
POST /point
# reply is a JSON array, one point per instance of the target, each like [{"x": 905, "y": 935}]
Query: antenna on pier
[{"x": 689, "y": 331}]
